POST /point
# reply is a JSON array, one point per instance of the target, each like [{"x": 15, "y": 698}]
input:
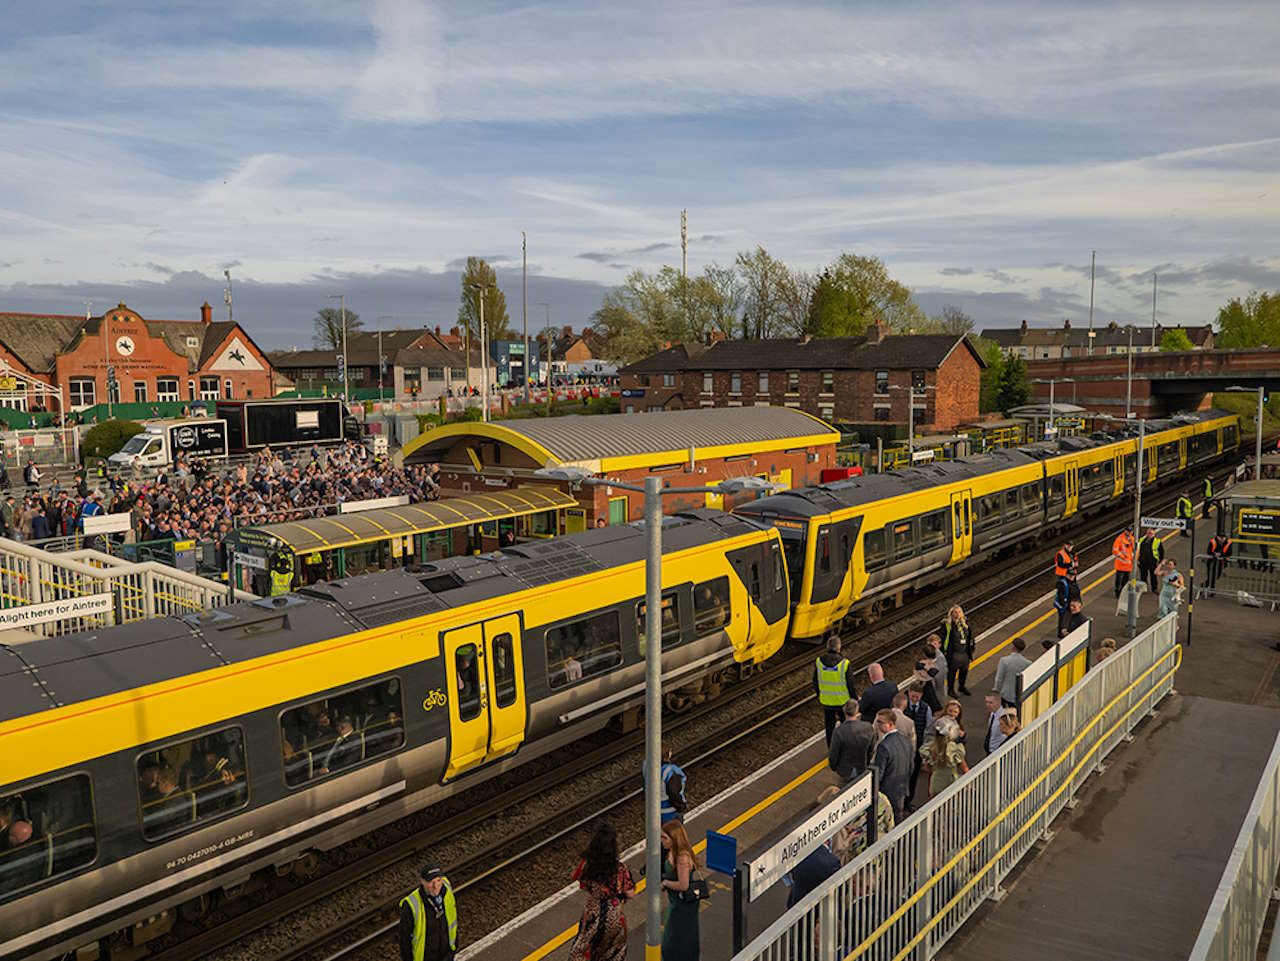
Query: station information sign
[
  {"x": 1259, "y": 523},
  {"x": 1163, "y": 523}
]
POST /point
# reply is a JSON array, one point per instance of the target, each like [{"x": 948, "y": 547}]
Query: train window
[
  {"x": 933, "y": 530},
  {"x": 504, "y": 669},
  {"x": 181, "y": 785},
  {"x": 988, "y": 512},
  {"x": 467, "y": 666},
  {"x": 873, "y": 551},
  {"x": 904, "y": 540},
  {"x": 50, "y": 831},
  {"x": 583, "y": 648},
  {"x": 670, "y": 622},
  {"x": 753, "y": 583},
  {"x": 1057, "y": 489},
  {"x": 1011, "y": 508},
  {"x": 779, "y": 584},
  {"x": 1030, "y": 497},
  {"x": 711, "y": 606},
  {"x": 824, "y": 549},
  {"x": 342, "y": 730}
]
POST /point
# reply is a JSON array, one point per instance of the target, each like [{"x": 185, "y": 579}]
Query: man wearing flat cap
[{"x": 429, "y": 918}]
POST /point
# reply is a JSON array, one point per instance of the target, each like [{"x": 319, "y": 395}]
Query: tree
[
  {"x": 763, "y": 279},
  {"x": 638, "y": 316},
  {"x": 1013, "y": 389},
  {"x": 953, "y": 320},
  {"x": 858, "y": 292},
  {"x": 729, "y": 297},
  {"x": 1255, "y": 322},
  {"x": 496, "y": 320},
  {"x": 989, "y": 389},
  {"x": 796, "y": 293},
  {"x": 1176, "y": 339},
  {"x": 329, "y": 326},
  {"x": 103, "y": 440}
]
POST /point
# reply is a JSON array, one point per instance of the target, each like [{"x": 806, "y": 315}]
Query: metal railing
[
  {"x": 126, "y": 591},
  {"x": 908, "y": 894},
  {"x": 1234, "y": 924},
  {"x": 1250, "y": 580}
]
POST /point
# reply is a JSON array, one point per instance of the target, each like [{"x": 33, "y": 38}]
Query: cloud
[
  {"x": 280, "y": 314},
  {"x": 957, "y": 271}
]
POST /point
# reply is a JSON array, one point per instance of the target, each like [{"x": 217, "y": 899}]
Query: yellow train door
[
  {"x": 961, "y": 525},
  {"x": 1150, "y": 453},
  {"x": 487, "y": 706},
  {"x": 1182, "y": 453},
  {"x": 1117, "y": 474},
  {"x": 1071, "y": 480}
]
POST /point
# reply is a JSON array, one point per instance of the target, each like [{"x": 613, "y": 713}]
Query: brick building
[
  {"x": 847, "y": 380},
  {"x": 690, "y": 448},
  {"x": 1052, "y": 343},
  {"x": 154, "y": 360}
]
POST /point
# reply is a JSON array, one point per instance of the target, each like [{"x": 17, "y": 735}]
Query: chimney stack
[
  {"x": 568, "y": 330},
  {"x": 437, "y": 330},
  {"x": 1024, "y": 326},
  {"x": 206, "y": 314},
  {"x": 1066, "y": 323},
  {"x": 880, "y": 331}
]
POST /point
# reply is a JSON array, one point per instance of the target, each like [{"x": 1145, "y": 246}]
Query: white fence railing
[
  {"x": 32, "y": 578},
  {"x": 909, "y": 893},
  {"x": 1233, "y": 926}
]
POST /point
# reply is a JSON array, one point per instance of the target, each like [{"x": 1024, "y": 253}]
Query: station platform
[
  {"x": 760, "y": 805},
  {"x": 1133, "y": 867}
]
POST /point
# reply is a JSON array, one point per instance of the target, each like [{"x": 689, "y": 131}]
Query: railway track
[{"x": 375, "y": 922}]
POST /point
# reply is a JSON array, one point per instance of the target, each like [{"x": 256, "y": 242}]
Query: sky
[{"x": 982, "y": 150}]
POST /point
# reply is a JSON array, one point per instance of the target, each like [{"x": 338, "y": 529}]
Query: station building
[
  {"x": 687, "y": 448},
  {"x": 844, "y": 380},
  {"x": 153, "y": 360}
]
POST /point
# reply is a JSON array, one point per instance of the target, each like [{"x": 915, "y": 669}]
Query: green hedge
[{"x": 103, "y": 440}]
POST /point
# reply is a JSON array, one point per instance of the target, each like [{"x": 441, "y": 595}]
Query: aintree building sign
[{"x": 153, "y": 360}]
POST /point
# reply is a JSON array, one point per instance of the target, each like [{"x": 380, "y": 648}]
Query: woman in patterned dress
[{"x": 602, "y": 930}]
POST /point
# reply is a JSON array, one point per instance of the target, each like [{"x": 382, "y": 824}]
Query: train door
[
  {"x": 487, "y": 712},
  {"x": 961, "y": 525},
  {"x": 1117, "y": 474},
  {"x": 1150, "y": 454},
  {"x": 1182, "y": 453},
  {"x": 1071, "y": 479},
  {"x": 1218, "y": 434}
]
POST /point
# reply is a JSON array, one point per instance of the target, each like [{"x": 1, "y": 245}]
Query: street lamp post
[
  {"x": 382, "y": 360},
  {"x": 524, "y": 309},
  {"x": 653, "y": 493},
  {"x": 1137, "y": 534},
  {"x": 1128, "y": 389},
  {"x": 346, "y": 374},
  {"x": 481, "y": 290},
  {"x": 548, "y": 306}
]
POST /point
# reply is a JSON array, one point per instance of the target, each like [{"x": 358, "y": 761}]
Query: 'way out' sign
[{"x": 767, "y": 869}]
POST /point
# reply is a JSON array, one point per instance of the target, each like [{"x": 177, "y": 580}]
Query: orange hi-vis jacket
[
  {"x": 1065, "y": 564},
  {"x": 1122, "y": 551}
]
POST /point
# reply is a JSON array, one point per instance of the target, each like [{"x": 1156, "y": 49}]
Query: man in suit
[
  {"x": 893, "y": 760},
  {"x": 1007, "y": 671},
  {"x": 345, "y": 750},
  {"x": 994, "y": 737},
  {"x": 851, "y": 746},
  {"x": 878, "y": 696}
]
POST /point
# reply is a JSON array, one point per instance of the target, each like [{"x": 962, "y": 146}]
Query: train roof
[
  {"x": 51, "y": 672},
  {"x": 816, "y": 501}
]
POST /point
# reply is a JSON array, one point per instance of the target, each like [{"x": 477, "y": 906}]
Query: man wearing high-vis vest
[
  {"x": 833, "y": 683},
  {"x": 1122, "y": 555},
  {"x": 429, "y": 919},
  {"x": 281, "y": 574},
  {"x": 1208, "y": 495},
  {"x": 1186, "y": 513}
]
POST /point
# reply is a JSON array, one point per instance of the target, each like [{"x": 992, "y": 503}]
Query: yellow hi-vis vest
[
  {"x": 832, "y": 689},
  {"x": 280, "y": 583},
  {"x": 419, "y": 909},
  {"x": 1184, "y": 506},
  {"x": 1208, "y": 488}
]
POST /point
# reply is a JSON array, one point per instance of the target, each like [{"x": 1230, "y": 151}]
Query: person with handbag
[
  {"x": 602, "y": 930},
  {"x": 680, "y": 938}
]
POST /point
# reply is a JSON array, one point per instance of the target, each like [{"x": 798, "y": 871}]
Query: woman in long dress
[
  {"x": 680, "y": 937},
  {"x": 602, "y": 930}
]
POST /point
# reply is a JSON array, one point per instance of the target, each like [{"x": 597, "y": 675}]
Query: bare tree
[
  {"x": 729, "y": 296},
  {"x": 328, "y": 324},
  {"x": 763, "y": 279}
]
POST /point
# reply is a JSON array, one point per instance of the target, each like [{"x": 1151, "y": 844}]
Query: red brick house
[
  {"x": 154, "y": 360},
  {"x": 846, "y": 380}
]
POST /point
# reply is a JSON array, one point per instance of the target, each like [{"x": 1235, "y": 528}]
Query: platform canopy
[
  {"x": 602, "y": 443},
  {"x": 346, "y": 530}
]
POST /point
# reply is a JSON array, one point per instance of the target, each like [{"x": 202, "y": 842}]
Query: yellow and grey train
[
  {"x": 860, "y": 543},
  {"x": 147, "y": 767}
]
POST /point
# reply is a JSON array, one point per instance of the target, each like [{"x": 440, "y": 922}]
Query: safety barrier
[
  {"x": 1043, "y": 682},
  {"x": 74, "y": 591},
  {"x": 1238, "y": 911},
  {"x": 909, "y": 893},
  {"x": 1247, "y": 579}
]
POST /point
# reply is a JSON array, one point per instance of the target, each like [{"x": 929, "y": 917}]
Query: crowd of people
[{"x": 197, "y": 499}]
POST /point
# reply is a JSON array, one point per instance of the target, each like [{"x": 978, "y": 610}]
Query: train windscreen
[{"x": 793, "y": 535}]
